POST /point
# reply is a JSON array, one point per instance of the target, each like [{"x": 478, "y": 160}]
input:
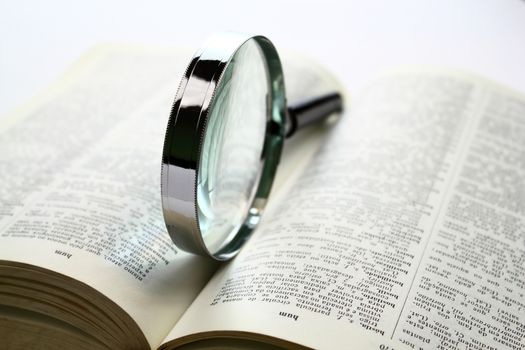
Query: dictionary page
[
  {"x": 80, "y": 192},
  {"x": 406, "y": 230}
]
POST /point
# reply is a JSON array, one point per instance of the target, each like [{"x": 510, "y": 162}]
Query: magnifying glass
[{"x": 224, "y": 140}]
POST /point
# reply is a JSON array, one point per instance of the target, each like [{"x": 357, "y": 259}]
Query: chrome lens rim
[{"x": 184, "y": 137}]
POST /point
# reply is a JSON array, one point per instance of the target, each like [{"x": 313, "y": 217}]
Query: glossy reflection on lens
[{"x": 230, "y": 162}]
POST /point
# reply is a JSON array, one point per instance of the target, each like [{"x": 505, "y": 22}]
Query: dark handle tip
[{"x": 312, "y": 110}]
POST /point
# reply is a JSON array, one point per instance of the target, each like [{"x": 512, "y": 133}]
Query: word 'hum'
[{"x": 59, "y": 252}]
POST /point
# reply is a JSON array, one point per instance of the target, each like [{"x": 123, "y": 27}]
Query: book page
[
  {"x": 469, "y": 290},
  {"x": 406, "y": 230},
  {"x": 80, "y": 191},
  {"x": 81, "y": 180}
]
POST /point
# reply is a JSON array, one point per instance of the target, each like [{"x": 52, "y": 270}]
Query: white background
[{"x": 356, "y": 39}]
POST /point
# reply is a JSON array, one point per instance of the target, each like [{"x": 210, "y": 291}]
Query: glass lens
[{"x": 230, "y": 163}]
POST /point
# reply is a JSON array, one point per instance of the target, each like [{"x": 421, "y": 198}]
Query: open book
[{"x": 400, "y": 226}]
